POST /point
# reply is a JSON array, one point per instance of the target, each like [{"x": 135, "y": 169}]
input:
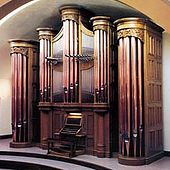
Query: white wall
[
  {"x": 5, "y": 106},
  {"x": 166, "y": 90}
]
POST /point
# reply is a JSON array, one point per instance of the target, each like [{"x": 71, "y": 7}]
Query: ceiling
[{"x": 44, "y": 13}]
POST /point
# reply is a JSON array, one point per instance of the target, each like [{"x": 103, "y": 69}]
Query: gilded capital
[
  {"x": 130, "y": 27},
  {"x": 70, "y": 13},
  {"x": 101, "y": 23},
  {"x": 46, "y": 33},
  {"x": 20, "y": 50},
  {"x": 133, "y": 32},
  {"x": 22, "y": 46}
]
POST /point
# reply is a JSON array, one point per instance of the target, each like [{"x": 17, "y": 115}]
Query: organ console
[
  {"x": 71, "y": 140},
  {"x": 100, "y": 85}
]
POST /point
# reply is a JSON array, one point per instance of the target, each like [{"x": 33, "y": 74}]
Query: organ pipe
[{"x": 140, "y": 110}]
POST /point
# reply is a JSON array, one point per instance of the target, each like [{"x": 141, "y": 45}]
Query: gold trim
[
  {"x": 138, "y": 33},
  {"x": 21, "y": 50},
  {"x": 46, "y": 33},
  {"x": 59, "y": 35},
  {"x": 101, "y": 23},
  {"x": 70, "y": 13},
  {"x": 86, "y": 31}
]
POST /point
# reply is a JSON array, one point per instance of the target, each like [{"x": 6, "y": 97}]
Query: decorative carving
[
  {"x": 73, "y": 17},
  {"x": 46, "y": 37},
  {"x": 139, "y": 33},
  {"x": 100, "y": 27},
  {"x": 21, "y": 50}
]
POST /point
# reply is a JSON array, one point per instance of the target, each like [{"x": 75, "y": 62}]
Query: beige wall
[
  {"x": 166, "y": 90},
  {"x": 157, "y": 10},
  {"x": 5, "y": 106}
]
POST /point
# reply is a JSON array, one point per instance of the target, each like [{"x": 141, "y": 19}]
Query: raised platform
[{"x": 36, "y": 157}]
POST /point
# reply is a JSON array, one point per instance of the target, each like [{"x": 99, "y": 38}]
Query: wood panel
[{"x": 154, "y": 89}]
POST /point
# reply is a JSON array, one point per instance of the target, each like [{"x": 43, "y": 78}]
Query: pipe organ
[
  {"x": 25, "y": 117},
  {"x": 108, "y": 72}
]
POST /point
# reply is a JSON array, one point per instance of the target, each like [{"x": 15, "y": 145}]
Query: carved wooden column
[
  {"x": 132, "y": 37},
  {"x": 103, "y": 39},
  {"x": 70, "y": 18},
  {"x": 45, "y": 37},
  {"x": 24, "y": 57}
]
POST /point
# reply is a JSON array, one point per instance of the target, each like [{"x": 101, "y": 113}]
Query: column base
[
  {"x": 19, "y": 145},
  {"x": 139, "y": 161}
]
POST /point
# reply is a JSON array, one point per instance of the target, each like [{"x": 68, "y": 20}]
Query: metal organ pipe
[
  {"x": 15, "y": 96},
  {"x": 140, "y": 110},
  {"x": 121, "y": 95},
  {"x": 64, "y": 65},
  {"x": 102, "y": 65},
  {"x": 71, "y": 60},
  {"x": 49, "y": 73},
  {"x": 20, "y": 83},
  {"x": 41, "y": 70},
  {"x": 76, "y": 62},
  {"x": 25, "y": 97},
  {"x": 105, "y": 66},
  {"x": 67, "y": 59},
  {"x": 134, "y": 91}
]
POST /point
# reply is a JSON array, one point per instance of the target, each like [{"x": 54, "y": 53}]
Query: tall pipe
[
  {"x": 121, "y": 96},
  {"x": 102, "y": 64},
  {"x": 67, "y": 59},
  {"x": 24, "y": 97},
  {"x": 134, "y": 91},
  {"x": 19, "y": 124},
  {"x": 76, "y": 62},
  {"x": 71, "y": 60},
  {"x": 140, "y": 110},
  {"x": 45, "y": 70},
  {"x": 49, "y": 73},
  {"x": 105, "y": 66}
]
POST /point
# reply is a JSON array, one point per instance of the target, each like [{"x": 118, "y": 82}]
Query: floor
[{"x": 111, "y": 163}]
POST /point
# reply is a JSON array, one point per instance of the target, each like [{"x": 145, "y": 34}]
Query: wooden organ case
[
  {"x": 140, "y": 91},
  {"x": 109, "y": 73},
  {"x": 81, "y": 79},
  {"x": 25, "y": 92}
]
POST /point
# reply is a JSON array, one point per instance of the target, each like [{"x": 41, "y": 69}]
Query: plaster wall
[
  {"x": 5, "y": 106},
  {"x": 166, "y": 90}
]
